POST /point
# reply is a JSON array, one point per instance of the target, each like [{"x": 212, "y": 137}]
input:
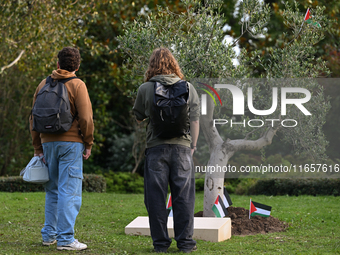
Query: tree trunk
[
  {"x": 220, "y": 152},
  {"x": 214, "y": 179},
  {"x": 214, "y": 182}
]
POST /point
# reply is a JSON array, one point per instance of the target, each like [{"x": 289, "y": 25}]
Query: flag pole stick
[
  {"x": 301, "y": 27},
  {"x": 303, "y": 22},
  {"x": 297, "y": 33},
  {"x": 249, "y": 208}
]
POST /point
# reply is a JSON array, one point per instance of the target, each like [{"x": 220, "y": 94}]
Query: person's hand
[
  {"x": 87, "y": 154},
  {"x": 192, "y": 151},
  {"x": 40, "y": 155}
]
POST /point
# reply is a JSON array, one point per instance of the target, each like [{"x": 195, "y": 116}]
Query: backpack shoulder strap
[{"x": 49, "y": 79}]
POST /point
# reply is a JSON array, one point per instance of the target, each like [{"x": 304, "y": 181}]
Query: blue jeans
[
  {"x": 170, "y": 163},
  {"x": 63, "y": 190}
]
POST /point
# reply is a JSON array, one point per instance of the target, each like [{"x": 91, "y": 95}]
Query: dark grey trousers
[{"x": 170, "y": 163}]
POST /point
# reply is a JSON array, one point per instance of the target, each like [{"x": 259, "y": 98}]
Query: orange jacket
[{"x": 82, "y": 128}]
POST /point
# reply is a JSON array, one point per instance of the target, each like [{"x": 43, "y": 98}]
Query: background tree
[
  {"x": 196, "y": 39},
  {"x": 278, "y": 34},
  {"x": 118, "y": 143},
  {"x": 32, "y": 37},
  {"x": 32, "y": 32}
]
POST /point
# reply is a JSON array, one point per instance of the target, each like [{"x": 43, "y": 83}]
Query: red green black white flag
[
  {"x": 226, "y": 198},
  {"x": 309, "y": 20},
  {"x": 307, "y": 16},
  {"x": 169, "y": 206},
  {"x": 219, "y": 208},
  {"x": 259, "y": 209}
]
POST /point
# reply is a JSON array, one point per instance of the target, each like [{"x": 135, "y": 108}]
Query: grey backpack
[{"x": 51, "y": 111}]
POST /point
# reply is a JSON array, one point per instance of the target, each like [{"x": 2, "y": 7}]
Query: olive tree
[{"x": 196, "y": 39}]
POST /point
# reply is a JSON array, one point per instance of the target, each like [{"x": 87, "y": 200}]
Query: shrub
[
  {"x": 94, "y": 183},
  {"x": 199, "y": 184},
  {"x": 119, "y": 157},
  {"x": 295, "y": 187},
  {"x": 17, "y": 184},
  {"x": 122, "y": 182},
  {"x": 231, "y": 184},
  {"x": 91, "y": 183},
  {"x": 244, "y": 186}
]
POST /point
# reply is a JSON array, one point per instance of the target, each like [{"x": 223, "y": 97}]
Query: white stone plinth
[{"x": 205, "y": 228}]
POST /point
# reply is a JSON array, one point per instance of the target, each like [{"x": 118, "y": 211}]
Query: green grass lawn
[{"x": 314, "y": 226}]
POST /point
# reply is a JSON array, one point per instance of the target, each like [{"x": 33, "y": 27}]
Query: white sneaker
[{"x": 75, "y": 246}]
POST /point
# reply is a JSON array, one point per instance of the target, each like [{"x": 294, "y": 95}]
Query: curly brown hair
[
  {"x": 162, "y": 62},
  {"x": 69, "y": 59}
]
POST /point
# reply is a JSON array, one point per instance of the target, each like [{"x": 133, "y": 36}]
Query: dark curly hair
[
  {"x": 69, "y": 59},
  {"x": 162, "y": 62}
]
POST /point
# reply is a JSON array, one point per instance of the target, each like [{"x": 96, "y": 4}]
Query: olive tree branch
[{"x": 13, "y": 63}]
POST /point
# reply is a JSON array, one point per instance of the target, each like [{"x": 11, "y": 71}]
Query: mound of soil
[{"x": 242, "y": 225}]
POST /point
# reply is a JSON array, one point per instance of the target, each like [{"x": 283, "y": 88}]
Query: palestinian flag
[
  {"x": 169, "y": 206},
  {"x": 259, "y": 209},
  {"x": 226, "y": 198},
  {"x": 307, "y": 16},
  {"x": 219, "y": 208},
  {"x": 309, "y": 20}
]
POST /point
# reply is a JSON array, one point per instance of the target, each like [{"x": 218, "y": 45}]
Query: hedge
[
  {"x": 295, "y": 187},
  {"x": 91, "y": 183},
  {"x": 123, "y": 182}
]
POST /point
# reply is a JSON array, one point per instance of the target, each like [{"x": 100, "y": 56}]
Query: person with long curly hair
[{"x": 171, "y": 106}]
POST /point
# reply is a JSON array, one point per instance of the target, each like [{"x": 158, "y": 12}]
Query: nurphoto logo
[{"x": 302, "y": 96}]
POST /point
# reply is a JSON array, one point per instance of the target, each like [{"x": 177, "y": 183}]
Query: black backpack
[
  {"x": 170, "y": 112},
  {"x": 51, "y": 111}
]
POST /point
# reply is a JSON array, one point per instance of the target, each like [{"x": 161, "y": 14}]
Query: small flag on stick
[
  {"x": 259, "y": 209},
  {"x": 219, "y": 208},
  {"x": 309, "y": 20},
  {"x": 169, "y": 206},
  {"x": 226, "y": 198},
  {"x": 307, "y": 16}
]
